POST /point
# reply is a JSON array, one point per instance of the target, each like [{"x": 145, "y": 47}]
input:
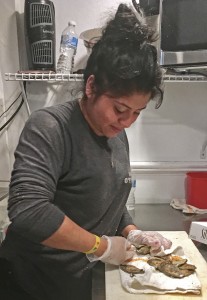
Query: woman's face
[{"x": 108, "y": 116}]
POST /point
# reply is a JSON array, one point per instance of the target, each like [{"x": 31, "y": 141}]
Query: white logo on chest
[{"x": 127, "y": 180}]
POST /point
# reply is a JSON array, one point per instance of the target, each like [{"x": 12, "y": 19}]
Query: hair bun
[
  {"x": 127, "y": 26},
  {"x": 122, "y": 8}
]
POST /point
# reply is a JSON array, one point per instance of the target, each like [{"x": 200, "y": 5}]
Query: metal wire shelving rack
[
  {"x": 51, "y": 76},
  {"x": 59, "y": 77}
]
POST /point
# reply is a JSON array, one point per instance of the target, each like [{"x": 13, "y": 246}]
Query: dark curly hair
[{"x": 124, "y": 60}]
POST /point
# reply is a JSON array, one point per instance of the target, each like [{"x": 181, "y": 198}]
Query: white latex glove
[
  {"x": 149, "y": 238},
  {"x": 118, "y": 250}
]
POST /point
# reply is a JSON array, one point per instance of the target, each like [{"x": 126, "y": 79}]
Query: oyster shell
[
  {"x": 170, "y": 270},
  {"x": 155, "y": 261},
  {"x": 187, "y": 267},
  {"x": 132, "y": 270},
  {"x": 180, "y": 262},
  {"x": 166, "y": 257},
  {"x": 173, "y": 270},
  {"x": 186, "y": 273}
]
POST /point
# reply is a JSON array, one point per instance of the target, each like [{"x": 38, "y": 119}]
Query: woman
[{"x": 70, "y": 180}]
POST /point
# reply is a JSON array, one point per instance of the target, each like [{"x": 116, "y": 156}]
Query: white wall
[
  {"x": 87, "y": 14},
  {"x": 174, "y": 133},
  {"x": 8, "y": 91},
  {"x": 177, "y": 130},
  {"x": 168, "y": 142}
]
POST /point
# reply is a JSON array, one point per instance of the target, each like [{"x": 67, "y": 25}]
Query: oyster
[
  {"x": 155, "y": 261},
  {"x": 166, "y": 257},
  {"x": 179, "y": 262},
  {"x": 132, "y": 270},
  {"x": 186, "y": 272},
  {"x": 172, "y": 270},
  {"x": 143, "y": 249},
  {"x": 187, "y": 267}
]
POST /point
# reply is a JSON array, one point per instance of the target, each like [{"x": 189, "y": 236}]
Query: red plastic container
[{"x": 196, "y": 189}]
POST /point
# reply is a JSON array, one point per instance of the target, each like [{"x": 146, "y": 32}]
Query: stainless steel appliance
[{"x": 182, "y": 26}]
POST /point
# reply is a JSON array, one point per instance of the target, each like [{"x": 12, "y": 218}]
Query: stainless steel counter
[
  {"x": 3, "y": 193},
  {"x": 158, "y": 217}
]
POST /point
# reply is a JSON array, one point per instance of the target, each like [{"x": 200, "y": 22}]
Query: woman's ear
[{"x": 90, "y": 86}]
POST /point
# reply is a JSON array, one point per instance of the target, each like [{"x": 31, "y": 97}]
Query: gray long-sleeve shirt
[{"x": 63, "y": 168}]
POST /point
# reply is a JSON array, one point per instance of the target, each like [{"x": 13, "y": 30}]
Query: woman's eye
[
  {"x": 137, "y": 113},
  {"x": 119, "y": 109}
]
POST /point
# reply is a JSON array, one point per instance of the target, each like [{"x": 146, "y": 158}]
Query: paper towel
[{"x": 153, "y": 281}]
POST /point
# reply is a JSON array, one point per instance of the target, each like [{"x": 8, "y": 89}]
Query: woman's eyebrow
[{"x": 141, "y": 108}]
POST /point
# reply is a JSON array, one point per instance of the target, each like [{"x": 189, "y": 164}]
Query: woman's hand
[
  {"x": 118, "y": 251},
  {"x": 149, "y": 238}
]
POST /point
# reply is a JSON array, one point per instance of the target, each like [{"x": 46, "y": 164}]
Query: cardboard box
[{"x": 198, "y": 232}]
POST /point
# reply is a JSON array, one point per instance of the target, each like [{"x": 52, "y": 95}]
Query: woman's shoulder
[
  {"x": 61, "y": 109},
  {"x": 56, "y": 114}
]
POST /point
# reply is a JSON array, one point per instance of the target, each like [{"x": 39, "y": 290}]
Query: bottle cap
[{"x": 73, "y": 23}]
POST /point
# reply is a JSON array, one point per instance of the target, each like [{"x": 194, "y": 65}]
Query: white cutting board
[{"x": 114, "y": 290}]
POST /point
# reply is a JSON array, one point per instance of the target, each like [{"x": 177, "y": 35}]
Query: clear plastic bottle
[
  {"x": 68, "y": 48},
  {"x": 131, "y": 198}
]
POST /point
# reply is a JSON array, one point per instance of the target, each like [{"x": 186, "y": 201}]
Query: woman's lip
[{"x": 116, "y": 129}]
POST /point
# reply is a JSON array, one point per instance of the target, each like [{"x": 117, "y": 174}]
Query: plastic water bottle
[
  {"x": 131, "y": 198},
  {"x": 68, "y": 48}
]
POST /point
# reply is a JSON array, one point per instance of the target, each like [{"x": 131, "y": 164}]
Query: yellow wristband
[{"x": 95, "y": 246}]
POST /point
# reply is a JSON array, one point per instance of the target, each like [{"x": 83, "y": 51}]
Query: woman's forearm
[{"x": 71, "y": 236}]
